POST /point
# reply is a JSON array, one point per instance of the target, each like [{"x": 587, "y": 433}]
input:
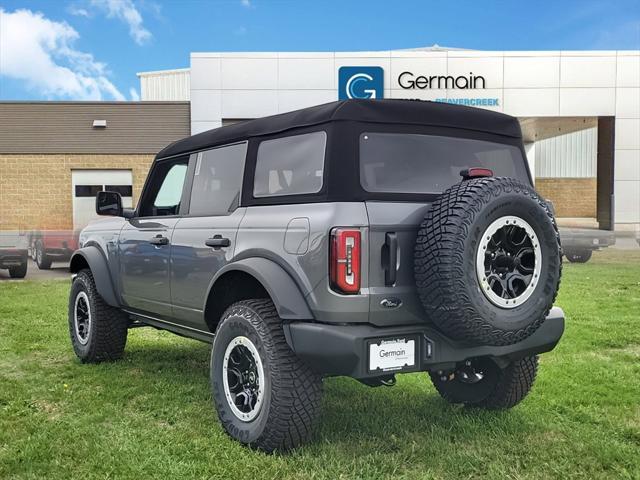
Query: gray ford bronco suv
[{"x": 363, "y": 238}]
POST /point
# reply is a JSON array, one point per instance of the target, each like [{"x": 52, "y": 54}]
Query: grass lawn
[{"x": 150, "y": 415}]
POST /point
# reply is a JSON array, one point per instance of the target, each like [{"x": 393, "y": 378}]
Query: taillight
[
  {"x": 476, "y": 172},
  {"x": 344, "y": 267}
]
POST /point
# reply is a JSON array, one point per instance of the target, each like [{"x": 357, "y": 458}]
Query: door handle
[
  {"x": 217, "y": 242},
  {"x": 391, "y": 262},
  {"x": 159, "y": 240}
]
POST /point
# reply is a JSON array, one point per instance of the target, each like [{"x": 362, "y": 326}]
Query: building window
[
  {"x": 123, "y": 190},
  {"x": 87, "y": 190}
]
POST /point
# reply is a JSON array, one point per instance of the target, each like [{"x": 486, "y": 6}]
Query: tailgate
[
  {"x": 393, "y": 227},
  {"x": 13, "y": 240}
]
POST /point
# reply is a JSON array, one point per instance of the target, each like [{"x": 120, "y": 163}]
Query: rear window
[
  {"x": 414, "y": 163},
  {"x": 290, "y": 165}
]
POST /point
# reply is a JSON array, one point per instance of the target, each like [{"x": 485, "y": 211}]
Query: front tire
[
  {"x": 265, "y": 396},
  {"x": 482, "y": 383},
  {"x": 98, "y": 331}
]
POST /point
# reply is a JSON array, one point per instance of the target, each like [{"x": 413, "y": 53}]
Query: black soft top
[{"x": 388, "y": 111}]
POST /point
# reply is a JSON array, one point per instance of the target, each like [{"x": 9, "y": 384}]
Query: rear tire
[
  {"x": 266, "y": 397},
  {"x": 98, "y": 331},
  {"x": 578, "y": 256},
  {"x": 497, "y": 390},
  {"x": 19, "y": 271},
  {"x": 42, "y": 259}
]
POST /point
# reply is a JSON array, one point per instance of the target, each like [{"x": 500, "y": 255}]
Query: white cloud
[
  {"x": 127, "y": 12},
  {"x": 240, "y": 31},
  {"x": 133, "y": 93},
  {"x": 246, "y": 3},
  {"x": 40, "y": 52},
  {"x": 78, "y": 11}
]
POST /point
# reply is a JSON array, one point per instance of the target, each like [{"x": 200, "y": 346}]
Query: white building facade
[{"x": 553, "y": 93}]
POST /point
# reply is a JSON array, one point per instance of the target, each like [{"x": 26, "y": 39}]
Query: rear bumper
[
  {"x": 343, "y": 349},
  {"x": 12, "y": 257},
  {"x": 61, "y": 253},
  {"x": 586, "y": 239}
]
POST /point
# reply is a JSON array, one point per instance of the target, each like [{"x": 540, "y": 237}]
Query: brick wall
[
  {"x": 571, "y": 197},
  {"x": 35, "y": 190}
]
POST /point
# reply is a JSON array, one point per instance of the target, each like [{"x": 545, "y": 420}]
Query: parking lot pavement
[{"x": 59, "y": 271}]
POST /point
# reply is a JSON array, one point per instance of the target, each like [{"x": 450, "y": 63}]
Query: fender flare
[
  {"x": 99, "y": 269},
  {"x": 287, "y": 297}
]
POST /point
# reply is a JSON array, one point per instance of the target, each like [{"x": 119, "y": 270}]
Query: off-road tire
[
  {"x": 445, "y": 261},
  {"x": 43, "y": 261},
  {"x": 292, "y": 390},
  {"x": 578, "y": 256},
  {"x": 109, "y": 325},
  {"x": 508, "y": 386},
  {"x": 19, "y": 271}
]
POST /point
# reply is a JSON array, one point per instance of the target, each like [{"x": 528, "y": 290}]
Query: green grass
[{"x": 150, "y": 415}]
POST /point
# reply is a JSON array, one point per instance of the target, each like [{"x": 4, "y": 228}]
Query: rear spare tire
[{"x": 488, "y": 261}]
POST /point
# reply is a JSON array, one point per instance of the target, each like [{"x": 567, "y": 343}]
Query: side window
[
  {"x": 290, "y": 165},
  {"x": 217, "y": 180},
  {"x": 165, "y": 189}
]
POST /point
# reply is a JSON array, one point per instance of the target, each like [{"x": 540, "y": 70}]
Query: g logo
[{"x": 360, "y": 82}]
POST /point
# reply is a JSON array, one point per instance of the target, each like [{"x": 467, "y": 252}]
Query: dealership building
[
  {"x": 55, "y": 156},
  {"x": 579, "y": 112}
]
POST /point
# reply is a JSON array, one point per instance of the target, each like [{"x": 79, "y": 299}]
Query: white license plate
[{"x": 392, "y": 354}]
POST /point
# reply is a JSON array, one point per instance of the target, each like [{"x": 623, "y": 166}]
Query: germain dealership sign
[
  {"x": 407, "y": 81},
  {"x": 410, "y": 81},
  {"x": 368, "y": 83},
  {"x": 360, "y": 82}
]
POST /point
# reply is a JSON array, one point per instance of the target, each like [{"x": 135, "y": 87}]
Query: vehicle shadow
[{"x": 354, "y": 416}]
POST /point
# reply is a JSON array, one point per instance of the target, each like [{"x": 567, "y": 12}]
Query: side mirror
[{"x": 109, "y": 203}]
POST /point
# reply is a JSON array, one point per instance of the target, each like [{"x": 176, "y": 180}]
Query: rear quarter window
[
  {"x": 217, "y": 180},
  {"x": 422, "y": 164},
  {"x": 290, "y": 165}
]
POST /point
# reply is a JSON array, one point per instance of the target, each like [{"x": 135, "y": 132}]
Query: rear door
[
  {"x": 394, "y": 168},
  {"x": 204, "y": 239}
]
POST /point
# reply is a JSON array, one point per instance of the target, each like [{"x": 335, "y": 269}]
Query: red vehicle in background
[{"x": 48, "y": 246}]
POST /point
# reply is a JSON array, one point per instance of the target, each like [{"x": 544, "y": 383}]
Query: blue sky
[{"x": 92, "y": 49}]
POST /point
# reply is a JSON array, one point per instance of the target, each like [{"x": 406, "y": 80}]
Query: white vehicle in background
[
  {"x": 13, "y": 253},
  {"x": 578, "y": 244}
]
